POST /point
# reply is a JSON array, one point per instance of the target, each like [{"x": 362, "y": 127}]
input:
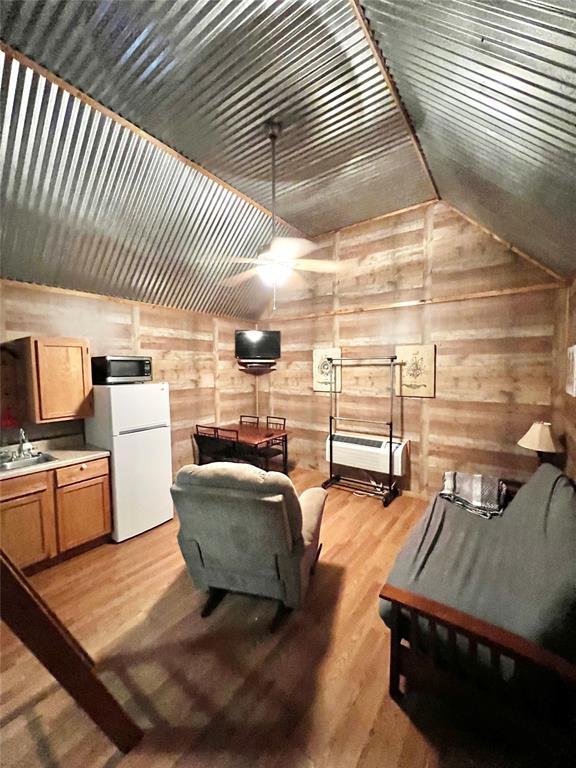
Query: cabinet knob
[{"x": 83, "y": 466}]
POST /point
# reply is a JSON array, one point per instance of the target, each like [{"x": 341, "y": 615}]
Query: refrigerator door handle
[{"x": 142, "y": 429}]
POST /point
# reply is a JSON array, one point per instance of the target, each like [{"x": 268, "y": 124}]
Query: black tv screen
[{"x": 258, "y": 345}]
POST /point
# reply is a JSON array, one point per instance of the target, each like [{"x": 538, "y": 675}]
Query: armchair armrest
[
  {"x": 504, "y": 642},
  {"x": 312, "y": 503}
]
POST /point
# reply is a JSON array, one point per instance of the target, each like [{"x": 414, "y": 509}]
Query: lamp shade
[{"x": 540, "y": 438}]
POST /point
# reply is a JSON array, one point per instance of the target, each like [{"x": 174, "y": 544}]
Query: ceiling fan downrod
[{"x": 273, "y": 129}]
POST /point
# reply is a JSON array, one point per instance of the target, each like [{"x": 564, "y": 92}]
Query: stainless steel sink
[{"x": 24, "y": 461}]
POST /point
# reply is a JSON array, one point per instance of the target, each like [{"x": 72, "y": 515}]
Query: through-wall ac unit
[{"x": 368, "y": 452}]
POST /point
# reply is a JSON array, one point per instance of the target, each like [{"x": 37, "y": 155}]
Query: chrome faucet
[{"x": 24, "y": 447}]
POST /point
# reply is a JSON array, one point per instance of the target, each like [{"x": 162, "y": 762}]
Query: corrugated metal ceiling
[
  {"x": 90, "y": 205},
  {"x": 490, "y": 86},
  {"x": 204, "y": 76}
]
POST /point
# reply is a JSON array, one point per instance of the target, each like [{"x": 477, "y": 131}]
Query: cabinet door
[
  {"x": 83, "y": 512},
  {"x": 64, "y": 380},
  {"x": 27, "y": 523}
]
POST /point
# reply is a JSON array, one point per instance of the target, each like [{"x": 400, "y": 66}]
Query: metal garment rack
[{"x": 387, "y": 492}]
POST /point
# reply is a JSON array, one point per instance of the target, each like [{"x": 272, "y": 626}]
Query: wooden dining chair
[
  {"x": 229, "y": 440},
  {"x": 276, "y": 446},
  {"x": 226, "y": 434},
  {"x": 275, "y": 422},
  {"x": 250, "y": 421},
  {"x": 208, "y": 447},
  {"x": 205, "y": 430}
]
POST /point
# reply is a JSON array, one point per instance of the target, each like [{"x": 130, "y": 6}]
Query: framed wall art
[{"x": 416, "y": 370}]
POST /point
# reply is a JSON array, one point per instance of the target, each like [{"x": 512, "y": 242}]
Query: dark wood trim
[
  {"x": 395, "y": 649},
  {"x": 28, "y": 616},
  {"x": 498, "y": 639}
]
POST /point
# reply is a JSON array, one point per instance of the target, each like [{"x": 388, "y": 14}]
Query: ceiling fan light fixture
[{"x": 274, "y": 274}]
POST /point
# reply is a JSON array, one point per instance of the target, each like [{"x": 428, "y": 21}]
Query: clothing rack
[{"x": 385, "y": 491}]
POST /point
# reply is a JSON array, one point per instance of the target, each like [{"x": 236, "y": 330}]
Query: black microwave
[{"x": 121, "y": 370}]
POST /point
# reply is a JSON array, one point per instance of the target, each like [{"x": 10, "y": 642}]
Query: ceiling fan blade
[
  {"x": 316, "y": 265},
  {"x": 231, "y": 282},
  {"x": 289, "y": 248}
]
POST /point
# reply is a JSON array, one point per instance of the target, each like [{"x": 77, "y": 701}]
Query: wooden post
[{"x": 27, "y": 615}]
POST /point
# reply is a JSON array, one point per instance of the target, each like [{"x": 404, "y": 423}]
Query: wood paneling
[
  {"x": 202, "y": 372},
  {"x": 496, "y": 354}
]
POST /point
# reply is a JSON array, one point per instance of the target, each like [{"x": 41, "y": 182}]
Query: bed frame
[{"x": 418, "y": 661}]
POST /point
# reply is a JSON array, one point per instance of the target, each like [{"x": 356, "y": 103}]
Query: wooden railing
[{"x": 28, "y": 616}]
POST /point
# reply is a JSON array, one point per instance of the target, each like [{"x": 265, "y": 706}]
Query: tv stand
[{"x": 256, "y": 367}]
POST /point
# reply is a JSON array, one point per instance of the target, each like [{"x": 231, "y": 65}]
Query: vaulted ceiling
[
  {"x": 90, "y": 203},
  {"x": 490, "y": 86}
]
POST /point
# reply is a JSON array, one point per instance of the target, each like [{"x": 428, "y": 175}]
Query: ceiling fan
[{"x": 283, "y": 257}]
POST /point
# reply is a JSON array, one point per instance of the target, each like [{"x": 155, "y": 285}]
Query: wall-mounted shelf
[
  {"x": 257, "y": 367},
  {"x": 259, "y": 370}
]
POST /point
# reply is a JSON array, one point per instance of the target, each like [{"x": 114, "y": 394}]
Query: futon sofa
[{"x": 486, "y": 589}]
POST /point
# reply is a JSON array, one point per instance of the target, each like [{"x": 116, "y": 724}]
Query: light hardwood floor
[{"x": 223, "y": 692}]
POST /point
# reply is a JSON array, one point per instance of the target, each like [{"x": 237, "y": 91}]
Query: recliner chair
[{"x": 245, "y": 530}]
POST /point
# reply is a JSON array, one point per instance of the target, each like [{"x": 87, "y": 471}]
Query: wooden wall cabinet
[
  {"x": 46, "y": 514},
  {"x": 55, "y": 373}
]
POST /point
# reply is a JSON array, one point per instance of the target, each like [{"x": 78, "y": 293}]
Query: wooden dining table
[{"x": 259, "y": 437}]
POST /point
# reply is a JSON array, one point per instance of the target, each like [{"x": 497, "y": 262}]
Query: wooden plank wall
[
  {"x": 496, "y": 354},
  {"x": 194, "y": 353}
]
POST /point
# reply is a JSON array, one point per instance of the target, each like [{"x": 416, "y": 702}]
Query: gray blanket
[
  {"x": 480, "y": 494},
  {"x": 517, "y": 571}
]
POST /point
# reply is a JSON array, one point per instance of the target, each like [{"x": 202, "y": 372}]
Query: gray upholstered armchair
[{"x": 245, "y": 530}]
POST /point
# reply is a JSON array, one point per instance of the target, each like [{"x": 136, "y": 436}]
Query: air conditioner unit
[{"x": 368, "y": 452}]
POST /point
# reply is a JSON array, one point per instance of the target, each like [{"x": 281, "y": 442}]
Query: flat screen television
[{"x": 257, "y": 345}]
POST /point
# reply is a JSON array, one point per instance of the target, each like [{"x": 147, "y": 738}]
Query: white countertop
[{"x": 63, "y": 457}]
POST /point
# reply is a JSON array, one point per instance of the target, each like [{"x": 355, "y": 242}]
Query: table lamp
[{"x": 540, "y": 438}]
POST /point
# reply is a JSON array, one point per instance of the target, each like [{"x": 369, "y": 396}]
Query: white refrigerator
[{"x": 132, "y": 421}]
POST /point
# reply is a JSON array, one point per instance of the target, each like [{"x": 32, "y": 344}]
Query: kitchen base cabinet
[
  {"x": 83, "y": 512},
  {"x": 27, "y": 519},
  {"x": 45, "y": 516}
]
